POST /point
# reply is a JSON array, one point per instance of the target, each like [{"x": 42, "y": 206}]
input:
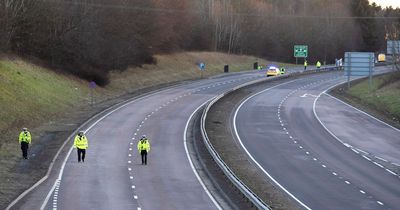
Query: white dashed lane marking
[{"x": 379, "y": 158}]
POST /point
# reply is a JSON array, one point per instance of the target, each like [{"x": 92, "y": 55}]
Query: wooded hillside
[{"x": 89, "y": 38}]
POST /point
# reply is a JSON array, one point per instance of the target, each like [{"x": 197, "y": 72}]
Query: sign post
[
  {"x": 300, "y": 51},
  {"x": 202, "y": 67},
  {"x": 359, "y": 64},
  {"x": 393, "y": 49}
]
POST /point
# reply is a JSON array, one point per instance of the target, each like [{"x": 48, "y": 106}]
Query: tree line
[{"x": 89, "y": 38}]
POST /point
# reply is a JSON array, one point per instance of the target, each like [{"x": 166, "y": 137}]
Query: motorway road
[
  {"x": 112, "y": 176},
  {"x": 280, "y": 131},
  {"x": 359, "y": 130}
]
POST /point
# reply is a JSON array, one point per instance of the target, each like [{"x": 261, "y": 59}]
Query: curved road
[
  {"x": 282, "y": 134},
  {"x": 112, "y": 176}
]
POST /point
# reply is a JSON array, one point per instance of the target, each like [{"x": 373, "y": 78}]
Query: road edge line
[
  {"x": 369, "y": 115},
  {"x": 248, "y": 153},
  {"x": 190, "y": 159}
]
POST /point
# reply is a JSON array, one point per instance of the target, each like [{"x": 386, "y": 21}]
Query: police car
[{"x": 273, "y": 71}]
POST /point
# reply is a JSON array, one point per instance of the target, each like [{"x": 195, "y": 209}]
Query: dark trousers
[
  {"x": 24, "y": 148},
  {"x": 144, "y": 156},
  {"x": 81, "y": 154}
]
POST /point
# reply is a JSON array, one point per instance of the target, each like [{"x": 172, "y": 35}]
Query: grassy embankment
[
  {"x": 31, "y": 96},
  {"x": 382, "y": 101}
]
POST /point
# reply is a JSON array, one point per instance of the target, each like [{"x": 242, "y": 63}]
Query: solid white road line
[
  {"x": 396, "y": 129},
  {"x": 190, "y": 159},
  {"x": 391, "y": 172},
  {"x": 367, "y": 158},
  {"x": 249, "y": 154}
]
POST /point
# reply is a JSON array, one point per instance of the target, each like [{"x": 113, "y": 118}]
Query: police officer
[
  {"x": 81, "y": 143},
  {"x": 143, "y": 147},
  {"x": 25, "y": 139},
  {"x": 318, "y": 65},
  {"x": 305, "y": 65},
  {"x": 283, "y": 70}
]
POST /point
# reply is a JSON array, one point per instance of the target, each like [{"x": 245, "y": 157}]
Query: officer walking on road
[
  {"x": 318, "y": 65},
  {"x": 283, "y": 70},
  {"x": 143, "y": 148},
  {"x": 81, "y": 143},
  {"x": 305, "y": 65},
  {"x": 25, "y": 139}
]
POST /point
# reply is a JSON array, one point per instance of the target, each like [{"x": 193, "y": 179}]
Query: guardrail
[{"x": 250, "y": 195}]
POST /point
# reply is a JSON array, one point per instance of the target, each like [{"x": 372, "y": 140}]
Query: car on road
[
  {"x": 273, "y": 71},
  {"x": 381, "y": 57}
]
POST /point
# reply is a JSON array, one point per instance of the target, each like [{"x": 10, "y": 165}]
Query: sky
[{"x": 386, "y": 3}]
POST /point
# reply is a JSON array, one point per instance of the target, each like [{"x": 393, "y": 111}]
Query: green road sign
[{"x": 301, "y": 51}]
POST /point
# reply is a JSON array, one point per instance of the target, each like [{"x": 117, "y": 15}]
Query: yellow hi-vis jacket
[
  {"x": 318, "y": 64},
  {"x": 81, "y": 142},
  {"x": 25, "y": 136},
  {"x": 305, "y": 63},
  {"x": 143, "y": 144}
]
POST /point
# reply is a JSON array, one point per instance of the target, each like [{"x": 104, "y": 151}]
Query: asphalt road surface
[
  {"x": 112, "y": 176},
  {"x": 280, "y": 131}
]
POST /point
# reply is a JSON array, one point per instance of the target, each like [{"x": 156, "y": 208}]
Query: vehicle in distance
[
  {"x": 381, "y": 57},
  {"x": 274, "y": 71}
]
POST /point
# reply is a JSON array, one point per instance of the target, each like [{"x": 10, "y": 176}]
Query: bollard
[{"x": 226, "y": 68}]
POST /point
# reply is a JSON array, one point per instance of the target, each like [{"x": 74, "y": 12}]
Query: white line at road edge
[
  {"x": 326, "y": 128},
  {"x": 323, "y": 125},
  {"x": 248, "y": 153},
  {"x": 190, "y": 160},
  {"x": 319, "y": 120},
  {"x": 361, "y": 111}
]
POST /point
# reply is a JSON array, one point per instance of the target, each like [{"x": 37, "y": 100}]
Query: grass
[
  {"x": 177, "y": 67},
  {"x": 382, "y": 100},
  {"x": 32, "y": 96}
]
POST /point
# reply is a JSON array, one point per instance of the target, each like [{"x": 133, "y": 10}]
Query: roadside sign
[
  {"x": 393, "y": 47},
  {"x": 301, "y": 51},
  {"x": 359, "y": 64},
  {"x": 202, "y": 66}
]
